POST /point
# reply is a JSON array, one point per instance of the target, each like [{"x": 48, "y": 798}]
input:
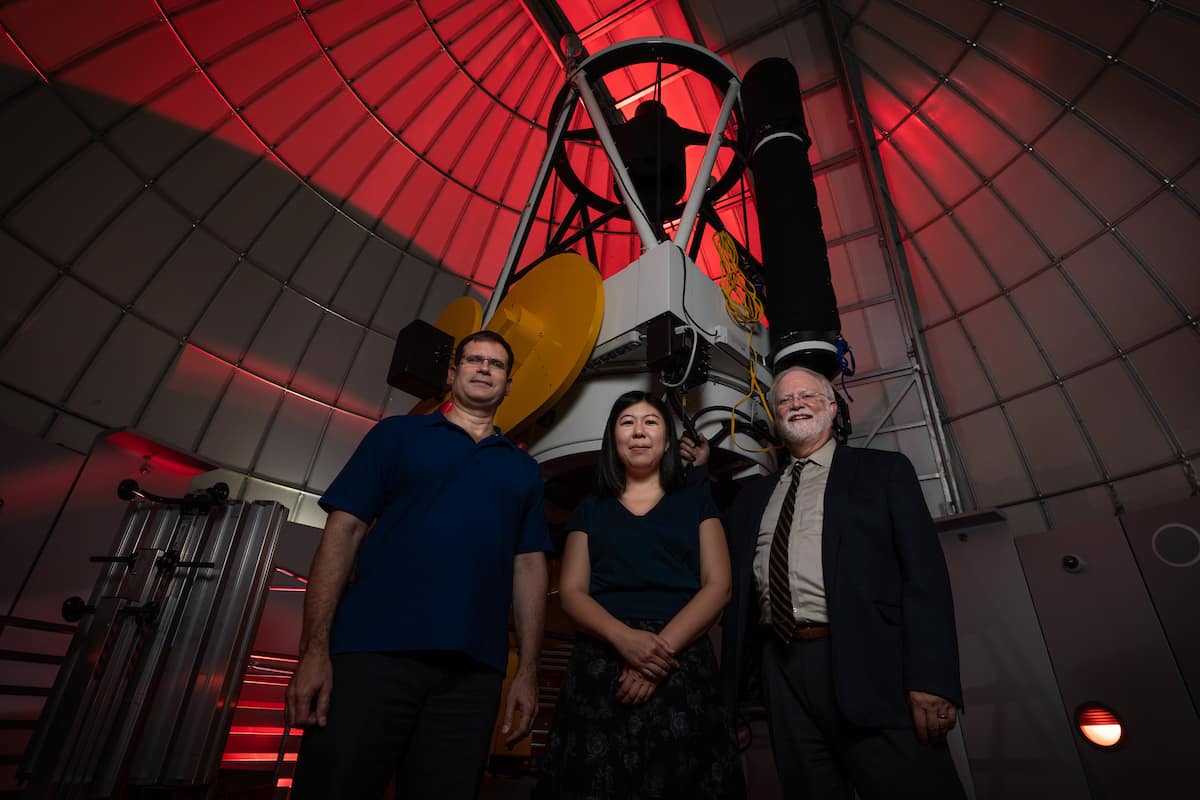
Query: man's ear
[{"x": 507, "y": 387}]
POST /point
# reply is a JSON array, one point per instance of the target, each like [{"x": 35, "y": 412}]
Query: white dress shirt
[{"x": 806, "y": 574}]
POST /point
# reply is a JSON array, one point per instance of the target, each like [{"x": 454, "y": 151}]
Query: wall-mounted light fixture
[{"x": 1100, "y": 725}]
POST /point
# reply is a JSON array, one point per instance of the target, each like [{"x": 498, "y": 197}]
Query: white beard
[{"x": 805, "y": 430}]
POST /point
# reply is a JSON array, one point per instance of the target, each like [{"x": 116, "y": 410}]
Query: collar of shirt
[
  {"x": 438, "y": 418},
  {"x": 822, "y": 457}
]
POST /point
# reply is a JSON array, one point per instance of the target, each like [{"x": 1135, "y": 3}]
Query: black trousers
[
  {"x": 822, "y": 756},
  {"x": 426, "y": 718}
]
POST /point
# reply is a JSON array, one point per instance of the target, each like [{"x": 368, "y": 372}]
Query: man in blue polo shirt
[{"x": 435, "y": 525}]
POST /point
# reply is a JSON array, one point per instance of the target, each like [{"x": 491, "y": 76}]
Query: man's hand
[
  {"x": 522, "y": 699},
  {"x": 933, "y": 716},
  {"x": 647, "y": 652},
  {"x": 694, "y": 454},
  {"x": 307, "y": 697},
  {"x": 633, "y": 688}
]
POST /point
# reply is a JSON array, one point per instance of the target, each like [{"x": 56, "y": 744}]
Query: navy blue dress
[{"x": 678, "y": 744}]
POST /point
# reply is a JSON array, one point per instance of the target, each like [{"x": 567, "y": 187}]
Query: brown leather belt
[{"x": 805, "y": 631}]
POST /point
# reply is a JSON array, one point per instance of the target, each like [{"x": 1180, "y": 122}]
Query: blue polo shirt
[{"x": 436, "y": 570}]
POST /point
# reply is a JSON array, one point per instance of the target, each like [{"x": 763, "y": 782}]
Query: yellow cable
[{"x": 745, "y": 309}]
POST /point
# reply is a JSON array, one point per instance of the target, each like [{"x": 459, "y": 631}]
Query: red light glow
[{"x": 1100, "y": 726}]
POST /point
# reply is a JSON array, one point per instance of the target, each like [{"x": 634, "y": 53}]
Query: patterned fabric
[
  {"x": 675, "y": 746},
  {"x": 782, "y": 617}
]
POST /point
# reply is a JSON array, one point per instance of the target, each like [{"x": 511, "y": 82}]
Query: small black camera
[{"x": 1073, "y": 564}]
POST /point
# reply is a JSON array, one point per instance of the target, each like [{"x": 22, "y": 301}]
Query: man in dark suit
[{"x": 841, "y": 613}]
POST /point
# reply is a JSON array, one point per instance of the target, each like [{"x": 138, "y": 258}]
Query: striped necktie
[{"x": 779, "y": 583}]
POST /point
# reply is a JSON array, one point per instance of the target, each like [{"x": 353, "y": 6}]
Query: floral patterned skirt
[{"x": 675, "y": 745}]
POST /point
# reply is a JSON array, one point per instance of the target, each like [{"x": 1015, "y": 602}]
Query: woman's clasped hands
[{"x": 648, "y": 659}]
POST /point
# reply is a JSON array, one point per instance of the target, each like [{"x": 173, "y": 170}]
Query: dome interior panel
[
  {"x": 46, "y": 355},
  {"x": 327, "y": 262},
  {"x": 1114, "y": 412},
  {"x": 63, "y": 214},
  {"x": 501, "y": 229},
  {"x": 1024, "y": 112},
  {"x": 909, "y": 31},
  {"x": 1153, "y": 489},
  {"x": 339, "y": 22},
  {"x": 182, "y": 287},
  {"x": 1041, "y": 56},
  {"x": 320, "y": 134},
  {"x": 886, "y": 110},
  {"x": 23, "y": 411},
  {"x": 348, "y": 164},
  {"x": 1055, "y": 214},
  {"x": 960, "y": 273},
  {"x": 154, "y": 136},
  {"x": 362, "y": 288},
  {"x": 128, "y": 253},
  {"x": 1068, "y": 333},
  {"x": 365, "y": 387},
  {"x": 977, "y": 139},
  {"x": 283, "y": 337},
  {"x": 73, "y": 433},
  {"x": 37, "y": 27},
  {"x": 858, "y": 270},
  {"x": 1046, "y": 427},
  {"x": 963, "y": 384},
  {"x": 380, "y": 187},
  {"x": 402, "y": 300},
  {"x": 997, "y": 470},
  {"x": 964, "y": 19},
  {"x": 208, "y": 171},
  {"x": 443, "y": 289},
  {"x": 124, "y": 373},
  {"x": 1167, "y": 367},
  {"x": 1004, "y": 244},
  {"x": 932, "y": 305},
  {"x": 1120, "y": 104},
  {"x": 287, "y": 452},
  {"x": 254, "y": 200},
  {"x": 246, "y": 404},
  {"x": 27, "y": 278},
  {"x": 827, "y": 119},
  {"x": 1109, "y": 179},
  {"x": 445, "y": 218},
  {"x": 246, "y": 74},
  {"x": 288, "y": 236},
  {"x": 466, "y": 239},
  {"x": 180, "y": 409},
  {"x": 1006, "y": 348},
  {"x": 230, "y": 322},
  {"x": 915, "y": 205},
  {"x": 933, "y": 157},
  {"x": 1082, "y": 504},
  {"x": 106, "y": 86},
  {"x": 845, "y": 203},
  {"x": 1166, "y": 234},
  {"x": 338, "y": 443},
  {"x": 327, "y": 359},
  {"x": 1112, "y": 283},
  {"x": 1106, "y": 31},
  {"x": 906, "y": 77}
]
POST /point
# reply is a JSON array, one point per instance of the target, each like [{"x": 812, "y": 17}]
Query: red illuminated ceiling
[{"x": 372, "y": 103}]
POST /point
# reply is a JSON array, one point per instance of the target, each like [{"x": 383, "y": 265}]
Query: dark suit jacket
[{"x": 890, "y": 609}]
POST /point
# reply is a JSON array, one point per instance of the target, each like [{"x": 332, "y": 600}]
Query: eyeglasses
[
  {"x": 807, "y": 398},
  {"x": 476, "y": 360}
]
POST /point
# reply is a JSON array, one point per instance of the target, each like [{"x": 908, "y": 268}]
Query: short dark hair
[
  {"x": 485, "y": 336},
  {"x": 610, "y": 472}
]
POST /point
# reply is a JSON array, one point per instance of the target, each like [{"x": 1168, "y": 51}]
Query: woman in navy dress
[{"x": 645, "y": 573}]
